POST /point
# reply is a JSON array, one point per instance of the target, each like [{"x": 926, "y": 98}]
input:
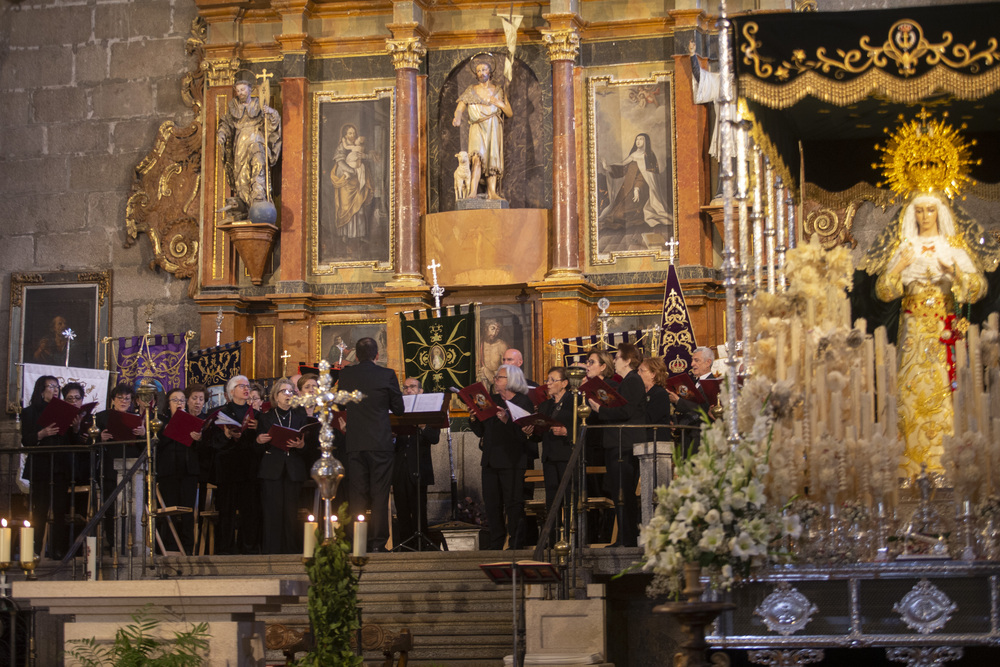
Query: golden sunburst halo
[{"x": 926, "y": 155}]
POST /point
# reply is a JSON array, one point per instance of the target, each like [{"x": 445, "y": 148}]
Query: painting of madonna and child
[
  {"x": 353, "y": 183},
  {"x": 632, "y": 172}
]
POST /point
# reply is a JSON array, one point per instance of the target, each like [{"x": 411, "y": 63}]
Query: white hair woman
[{"x": 506, "y": 451}]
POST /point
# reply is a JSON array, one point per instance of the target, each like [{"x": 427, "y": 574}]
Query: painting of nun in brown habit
[{"x": 632, "y": 197}]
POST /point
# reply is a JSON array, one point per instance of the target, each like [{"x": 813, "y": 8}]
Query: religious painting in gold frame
[
  {"x": 331, "y": 334},
  {"x": 42, "y": 306},
  {"x": 631, "y": 162},
  {"x": 353, "y": 194}
]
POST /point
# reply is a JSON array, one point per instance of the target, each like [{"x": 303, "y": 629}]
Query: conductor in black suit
[
  {"x": 370, "y": 451},
  {"x": 414, "y": 472}
]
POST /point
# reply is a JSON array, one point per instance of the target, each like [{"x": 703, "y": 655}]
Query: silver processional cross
[{"x": 436, "y": 291}]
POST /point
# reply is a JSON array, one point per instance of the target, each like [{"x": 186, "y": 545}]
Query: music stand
[
  {"x": 534, "y": 572},
  {"x": 440, "y": 420}
]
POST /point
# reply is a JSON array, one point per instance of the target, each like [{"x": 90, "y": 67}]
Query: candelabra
[{"x": 327, "y": 471}]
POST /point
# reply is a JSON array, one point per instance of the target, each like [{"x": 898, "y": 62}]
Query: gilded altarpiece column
[
  {"x": 563, "y": 43},
  {"x": 407, "y": 53}
]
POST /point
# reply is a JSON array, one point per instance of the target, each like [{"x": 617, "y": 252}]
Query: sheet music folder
[
  {"x": 529, "y": 572},
  {"x": 422, "y": 409}
]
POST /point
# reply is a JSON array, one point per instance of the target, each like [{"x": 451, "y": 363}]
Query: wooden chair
[
  {"x": 204, "y": 536},
  {"x": 168, "y": 513}
]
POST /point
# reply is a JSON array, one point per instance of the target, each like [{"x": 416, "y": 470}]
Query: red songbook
[
  {"x": 539, "y": 422},
  {"x": 683, "y": 385},
  {"x": 120, "y": 425},
  {"x": 339, "y": 420},
  {"x": 281, "y": 436},
  {"x": 265, "y": 407},
  {"x": 538, "y": 395},
  {"x": 710, "y": 388},
  {"x": 181, "y": 425},
  {"x": 62, "y": 413},
  {"x": 599, "y": 390},
  {"x": 478, "y": 399}
]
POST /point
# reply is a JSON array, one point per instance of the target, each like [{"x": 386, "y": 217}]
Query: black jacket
[
  {"x": 295, "y": 464},
  {"x": 657, "y": 411},
  {"x": 368, "y": 426},
  {"x": 406, "y": 453},
  {"x": 558, "y": 447},
  {"x": 175, "y": 458},
  {"x": 236, "y": 459},
  {"x": 633, "y": 412},
  {"x": 505, "y": 445}
]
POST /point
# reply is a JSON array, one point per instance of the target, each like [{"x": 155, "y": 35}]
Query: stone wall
[{"x": 84, "y": 85}]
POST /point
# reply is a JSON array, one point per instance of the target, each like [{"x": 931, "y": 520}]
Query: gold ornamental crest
[{"x": 926, "y": 155}]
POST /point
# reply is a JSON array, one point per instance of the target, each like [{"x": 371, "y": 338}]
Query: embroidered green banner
[{"x": 439, "y": 350}]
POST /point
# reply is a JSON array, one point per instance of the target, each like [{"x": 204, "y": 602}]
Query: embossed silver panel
[
  {"x": 934, "y": 656},
  {"x": 925, "y": 608},
  {"x": 779, "y": 658},
  {"x": 785, "y": 610}
]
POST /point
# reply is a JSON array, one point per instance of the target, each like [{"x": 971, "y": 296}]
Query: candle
[
  {"x": 91, "y": 558},
  {"x": 796, "y": 335},
  {"x": 780, "y": 356},
  {"x": 360, "y": 537},
  {"x": 309, "y": 537},
  {"x": 27, "y": 543},
  {"x": 4, "y": 542}
]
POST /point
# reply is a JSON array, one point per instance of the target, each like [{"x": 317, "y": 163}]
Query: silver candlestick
[{"x": 327, "y": 471}]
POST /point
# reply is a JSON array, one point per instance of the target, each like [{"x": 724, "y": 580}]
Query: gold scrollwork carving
[
  {"x": 166, "y": 184},
  {"x": 406, "y": 53},
  {"x": 562, "y": 44},
  {"x": 103, "y": 280},
  {"x": 17, "y": 281},
  {"x": 905, "y": 46}
]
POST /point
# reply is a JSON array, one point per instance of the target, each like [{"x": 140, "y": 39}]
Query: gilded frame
[
  {"x": 82, "y": 299},
  {"x": 351, "y": 331},
  {"x": 618, "y": 111},
  {"x": 374, "y": 118}
]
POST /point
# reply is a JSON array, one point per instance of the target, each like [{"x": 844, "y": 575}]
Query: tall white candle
[
  {"x": 780, "y": 356},
  {"x": 4, "y": 542},
  {"x": 91, "y": 558},
  {"x": 309, "y": 537},
  {"x": 27, "y": 543},
  {"x": 360, "y": 536}
]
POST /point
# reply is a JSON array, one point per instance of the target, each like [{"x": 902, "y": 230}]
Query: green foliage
[
  {"x": 134, "y": 646},
  {"x": 333, "y": 602}
]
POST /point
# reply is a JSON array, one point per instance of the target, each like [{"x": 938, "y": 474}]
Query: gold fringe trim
[{"x": 939, "y": 79}]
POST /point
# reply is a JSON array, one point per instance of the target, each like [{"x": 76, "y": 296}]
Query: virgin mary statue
[{"x": 929, "y": 265}]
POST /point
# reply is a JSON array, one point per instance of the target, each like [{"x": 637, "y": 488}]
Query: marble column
[
  {"x": 406, "y": 54},
  {"x": 564, "y": 246}
]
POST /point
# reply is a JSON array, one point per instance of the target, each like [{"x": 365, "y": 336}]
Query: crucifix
[
  {"x": 436, "y": 291},
  {"x": 341, "y": 346},
  {"x": 149, "y": 320},
  {"x": 671, "y": 247},
  {"x": 69, "y": 334},
  {"x": 284, "y": 363},
  {"x": 218, "y": 327}
]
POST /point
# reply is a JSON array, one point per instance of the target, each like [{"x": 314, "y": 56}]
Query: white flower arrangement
[{"x": 715, "y": 513}]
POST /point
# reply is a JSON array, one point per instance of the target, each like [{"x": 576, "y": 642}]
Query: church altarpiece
[{"x": 316, "y": 280}]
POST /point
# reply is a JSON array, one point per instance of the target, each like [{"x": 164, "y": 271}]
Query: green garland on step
[{"x": 333, "y": 602}]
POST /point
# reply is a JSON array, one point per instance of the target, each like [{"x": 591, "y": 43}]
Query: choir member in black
[
  {"x": 47, "y": 473},
  {"x": 506, "y": 451},
  {"x": 177, "y": 472},
  {"x": 281, "y": 473},
  {"x": 621, "y": 478},
  {"x": 308, "y": 384},
  {"x": 691, "y": 412},
  {"x": 654, "y": 374},
  {"x": 257, "y": 394},
  {"x": 557, "y": 445},
  {"x": 599, "y": 364},
  {"x": 122, "y": 398},
  {"x": 236, "y": 463},
  {"x": 413, "y": 472}
]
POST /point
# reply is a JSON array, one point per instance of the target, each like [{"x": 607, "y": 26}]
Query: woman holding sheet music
[
  {"x": 621, "y": 478},
  {"x": 236, "y": 471},
  {"x": 48, "y": 477},
  {"x": 282, "y": 471},
  {"x": 557, "y": 446},
  {"x": 177, "y": 472},
  {"x": 505, "y": 457}
]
